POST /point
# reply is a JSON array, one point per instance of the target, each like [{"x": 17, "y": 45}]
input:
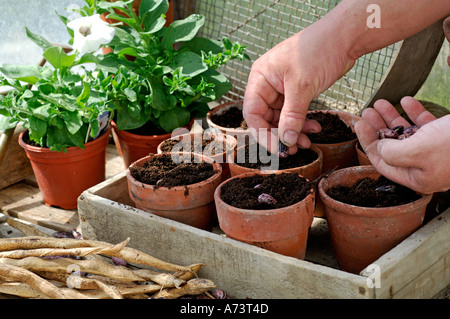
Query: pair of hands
[{"x": 284, "y": 80}]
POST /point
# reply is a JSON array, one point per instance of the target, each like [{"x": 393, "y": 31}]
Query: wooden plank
[
  {"x": 15, "y": 165},
  {"x": 242, "y": 269},
  {"x": 412, "y": 64},
  {"x": 417, "y": 256}
]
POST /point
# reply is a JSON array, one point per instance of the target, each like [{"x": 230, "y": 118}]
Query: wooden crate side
[
  {"x": 415, "y": 261},
  {"x": 243, "y": 270},
  {"x": 15, "y": 165}
]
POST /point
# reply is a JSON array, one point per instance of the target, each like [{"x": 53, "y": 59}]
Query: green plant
[
  {"x": 55, "y": 103},
  {"x": 157, "y": 74}
]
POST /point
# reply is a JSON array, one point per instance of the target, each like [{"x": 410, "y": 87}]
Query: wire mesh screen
[{"x": 262, "y": 24}]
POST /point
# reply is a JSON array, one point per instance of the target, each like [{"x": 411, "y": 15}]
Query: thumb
[{"x": 293, "y": 116}]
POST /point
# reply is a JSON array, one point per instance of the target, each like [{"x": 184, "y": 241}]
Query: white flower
[{"x": 90, "y": 33}]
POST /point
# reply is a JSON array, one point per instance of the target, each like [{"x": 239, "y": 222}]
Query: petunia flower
[{"x": 90, "y": 33}]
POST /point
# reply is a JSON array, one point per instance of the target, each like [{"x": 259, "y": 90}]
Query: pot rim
[
  {"x": 244, "y": 211},
  {"x": 71, "y": 149},
  {"x": 221, "y": 107},
  {"x": 228, "y": 138},
  {"x": 216, "y": 166},
  {"x": 316, "y": 149},
  {"x": 368, "y": 212}
]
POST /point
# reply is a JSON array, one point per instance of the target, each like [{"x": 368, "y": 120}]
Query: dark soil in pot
[
  {"x": 286, "y": 188},
  {"x": 334, "y": 130},
  {"x": 196, "y": 145},
  {"x": 164, "y": 172},
  {"x": 231, "y": 118},
  {"x": 368, "y": 192},
  {"x": 301, "y": 158}
]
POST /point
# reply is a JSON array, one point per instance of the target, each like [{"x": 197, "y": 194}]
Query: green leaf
[
  {"x": 27, "y": 73},
  {"x": 190, "y": 62},
  {"x": 37, "y": 127},
  {"x": 106, "y": 5},
  {"x": 221, "y": 83},
  {"x": 131, "y": 95},
  {"x": 73, "y": 121},
  {"x": 151, "y": 13},
  {"x": 174, "y": 118},
  {"x": 42, "y": 112},
  {"x": 39, "y": 40},
  {"x": 159, "y": 98},
  {"x": 58, "y": 58},
  {"x": 182, "y": 30},
  {"x": 199, "y": 44},
  {"x": 7, "y": 122},
  {"x": 84, "y": 96}
]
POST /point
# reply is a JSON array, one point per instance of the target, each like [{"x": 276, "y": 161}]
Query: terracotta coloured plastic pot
[
  {"x": 360, "y": 235},
  {"x": 310, "y": 171},
  {"x": 339, "y": 155},
  {"x": 62, "y": 177},
  {"x": 283, "y": 230},
  {"x": 191, "y": 204},
  {"x": 363, "y": 159},
  {"x": 242, "y": 136},
  {"x": 134, "y": 146},
  {"x": 219, "y": 157}
]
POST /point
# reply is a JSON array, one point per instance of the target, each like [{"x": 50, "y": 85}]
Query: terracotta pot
[
  {"x": 339, "y": 155},
  {"x": 193, "y": 205},
  {"x": 242, "y": 136},
  {"x": 134, "y": 146},
  {"x": 310, "y": 171},
  {"x": 360, "y": 235},
  {"x": 220, "y": 157},
  {"x": 283, "y": 230},
  {"x": 362, "y": 157},
  {"x": 62, "y": 177}
]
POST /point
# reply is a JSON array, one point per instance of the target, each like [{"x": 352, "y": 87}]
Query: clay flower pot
[
  {"x": 360, "y": 235},
  {"x": 219, "y": 157},
  {"x": 283, "y": 230},
  {"x": 242, "y": 135},
  {"x": 310, "y": 171},
  {"x": 191, "y": 204},
  {"x": 342, "y": 154},
  {"x": 61, "y": 176},
  {"x": 134, "y": 146}
]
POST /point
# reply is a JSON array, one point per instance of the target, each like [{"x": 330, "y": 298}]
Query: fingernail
[{"x": 290, "y": 138}]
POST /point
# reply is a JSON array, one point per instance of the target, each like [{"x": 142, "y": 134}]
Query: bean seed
[{"x": 266, "y": 199}]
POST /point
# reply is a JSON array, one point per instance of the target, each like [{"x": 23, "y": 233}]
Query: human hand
[
  {"x": 284, "y": 80},
  {"x": 420, "y": 162}
]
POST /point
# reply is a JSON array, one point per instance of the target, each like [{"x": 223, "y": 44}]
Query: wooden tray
[{"x": 417, "y": 268}]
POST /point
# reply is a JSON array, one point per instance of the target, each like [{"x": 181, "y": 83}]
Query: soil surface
[
  {"x": 197, "y": 145},
  {"x": 334, "y": 130},
  {"x": 231, "y": 118},
  {"x": 286, "y": 188},
  {"x": 162, "y": 171},
  {"x": 301, "y": 158},
  {"x": 368, "y": 192}
]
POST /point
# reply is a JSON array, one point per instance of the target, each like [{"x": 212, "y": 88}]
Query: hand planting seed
[
  {"x": 398, "y": 132},
  {"x": 386, "y": 188},
  {"x": 282, "y": 150},
  {"x": 266, "y": 199}
]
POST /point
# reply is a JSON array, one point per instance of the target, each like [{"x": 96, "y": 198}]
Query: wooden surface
[
  {"x": 23, "y": 200},
  {"x": 417, "y": 268}
]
